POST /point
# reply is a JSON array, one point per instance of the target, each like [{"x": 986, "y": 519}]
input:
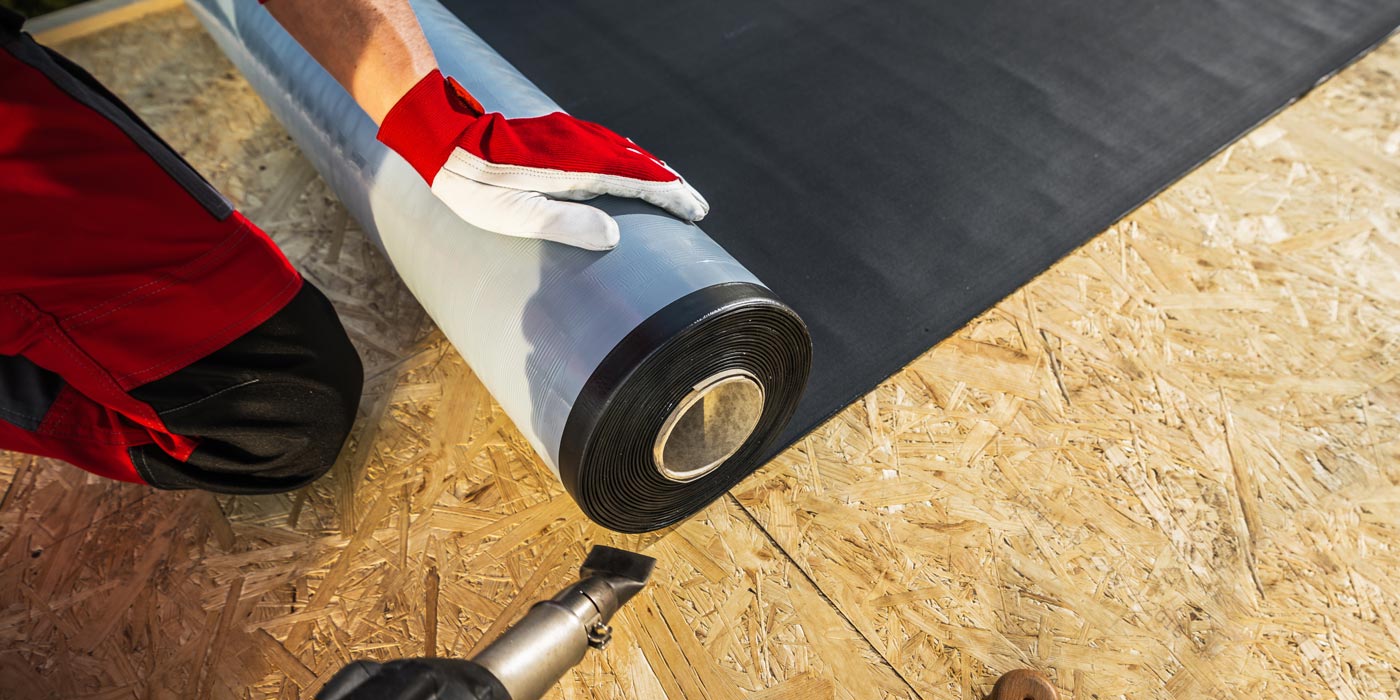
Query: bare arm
[
  {"x": 522, "y": 177},
  {"x": 374, "y": 48}
]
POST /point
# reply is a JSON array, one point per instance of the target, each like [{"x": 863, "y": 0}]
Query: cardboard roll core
[{"x": 709, "y": 425}]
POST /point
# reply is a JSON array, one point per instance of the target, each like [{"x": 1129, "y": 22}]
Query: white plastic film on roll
[{"x": 533, "y": 319}]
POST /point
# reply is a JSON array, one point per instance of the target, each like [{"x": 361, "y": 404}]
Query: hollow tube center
[{"x": 709, "y": 425}]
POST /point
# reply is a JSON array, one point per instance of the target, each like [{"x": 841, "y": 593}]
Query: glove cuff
[{"x": 424, "y": 124}]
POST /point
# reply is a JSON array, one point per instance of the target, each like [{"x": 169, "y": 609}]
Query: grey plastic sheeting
[
  {"x": 892, "y": 168},
  {"x": 534, "y": 320}
]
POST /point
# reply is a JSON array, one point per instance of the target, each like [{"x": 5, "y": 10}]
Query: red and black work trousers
[{"x": 148, "y": 332}]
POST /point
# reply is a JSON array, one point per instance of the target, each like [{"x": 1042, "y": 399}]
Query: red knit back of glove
[
  {"x": 560, "y": 142},
  {"x": 437, "y": 116}
]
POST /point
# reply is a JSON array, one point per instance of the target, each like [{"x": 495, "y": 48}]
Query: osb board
[
  {"x": 1166, "y": 468},
  {"x": 91, "y": 16}
]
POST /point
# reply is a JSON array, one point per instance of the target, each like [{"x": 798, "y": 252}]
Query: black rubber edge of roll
[{"x": 605, "y": 453}]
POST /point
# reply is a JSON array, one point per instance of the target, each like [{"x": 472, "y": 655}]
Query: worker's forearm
[{"x": 374, "y": 48}]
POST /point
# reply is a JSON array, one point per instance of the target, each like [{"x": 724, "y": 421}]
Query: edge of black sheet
[{"x": 606, "y": 460}]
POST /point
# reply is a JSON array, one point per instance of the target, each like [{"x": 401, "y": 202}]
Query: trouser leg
[{"x": 148, "y": 332}]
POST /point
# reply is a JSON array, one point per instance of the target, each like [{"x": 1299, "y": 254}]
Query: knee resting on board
[{"x": 271, "y": 410}]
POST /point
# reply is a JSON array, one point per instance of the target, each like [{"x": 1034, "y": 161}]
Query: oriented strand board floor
[{"x": 1169, "y": 467}]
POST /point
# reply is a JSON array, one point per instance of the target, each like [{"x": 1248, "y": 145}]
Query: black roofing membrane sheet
[{"x": 892, "y": 168}]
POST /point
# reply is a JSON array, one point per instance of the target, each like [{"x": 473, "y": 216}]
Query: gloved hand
[
  {"x": 508, "y": 175},
  {"x": 413, "y": 679}
]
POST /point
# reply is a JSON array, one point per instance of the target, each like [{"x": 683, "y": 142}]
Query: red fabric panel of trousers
[
  {"x": 81, "y": 431},
  {"x": 113, "y": 273}
]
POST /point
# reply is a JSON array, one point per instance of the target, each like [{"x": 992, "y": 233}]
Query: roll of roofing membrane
[{"x": 651, "y": 378}]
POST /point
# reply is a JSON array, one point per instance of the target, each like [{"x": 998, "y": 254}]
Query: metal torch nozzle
[{"x": 531, "y": 656}]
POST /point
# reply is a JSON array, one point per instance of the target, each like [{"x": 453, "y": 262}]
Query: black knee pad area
[{"x": 271, "y": 410}]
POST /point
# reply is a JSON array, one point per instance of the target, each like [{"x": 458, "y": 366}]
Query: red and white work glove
[{"x": 509, "y": 175}]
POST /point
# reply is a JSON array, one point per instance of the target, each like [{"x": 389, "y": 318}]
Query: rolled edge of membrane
[
  {"x": 606, "y": 453},
  {"x": 610, "y": 343}
]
